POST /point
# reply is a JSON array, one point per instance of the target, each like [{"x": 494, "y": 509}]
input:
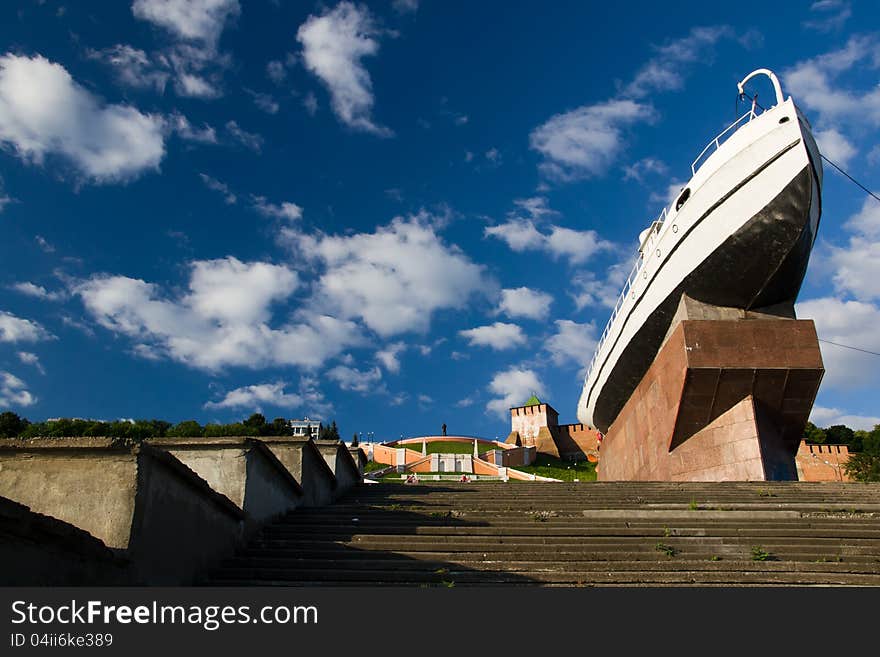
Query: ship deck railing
[
  {"x": 715, "y": 144},
  {"x": 710, "y": 148},
  {"x": 656, "y": 225}
]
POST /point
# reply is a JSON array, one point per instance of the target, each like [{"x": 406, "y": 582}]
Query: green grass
[
  {"x": 760, "y": 554},
  {"x": 372, "y": 466},
  {"x": 450, "y": 447},
  {"x": 547, "y": 466}
]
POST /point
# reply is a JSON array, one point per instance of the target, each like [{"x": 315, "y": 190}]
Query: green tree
[
  {"x": 11, "y": 425},
  {"x": 865, "y": 465},
  {"x": 256, "y": 421},
  {"x": 813, "y": 434},
  {"x": 280, "y": 427},
  {"x": 838, "y": 434},
  {"x": 186, "y": 429}
]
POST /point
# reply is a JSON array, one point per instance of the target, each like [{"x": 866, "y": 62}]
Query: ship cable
[
  {"x": 865, "y": 189},
  {"x": 846, "y": 346}
]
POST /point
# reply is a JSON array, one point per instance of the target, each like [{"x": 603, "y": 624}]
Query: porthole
[
  {"x": 674, "y": 228},
  {"x": 685, "y": 195},
  {"x": 784, "y": 119},
  {"x": 645, "y": 275},
  {"x": 658, "y": 253}
]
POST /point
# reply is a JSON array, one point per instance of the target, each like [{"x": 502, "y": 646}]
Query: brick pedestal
[{"x": 724, "y": 400}]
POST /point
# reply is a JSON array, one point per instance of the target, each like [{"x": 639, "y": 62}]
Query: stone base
[{"x": 724, "y": 400}]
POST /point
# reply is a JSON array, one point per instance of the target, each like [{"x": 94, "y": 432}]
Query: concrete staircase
[{"x": 624, "y": 533}]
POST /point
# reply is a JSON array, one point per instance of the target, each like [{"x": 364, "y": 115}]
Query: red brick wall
[{"x": 822, "y": 462}]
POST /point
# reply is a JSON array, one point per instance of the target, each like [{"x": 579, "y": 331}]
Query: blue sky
[{"x": 392, "y": 214}]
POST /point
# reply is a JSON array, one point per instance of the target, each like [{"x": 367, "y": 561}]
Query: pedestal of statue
[{"x": 725, "y": 399}]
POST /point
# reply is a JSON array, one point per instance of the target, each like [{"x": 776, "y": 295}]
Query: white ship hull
[{"x": 741, "y": 238}]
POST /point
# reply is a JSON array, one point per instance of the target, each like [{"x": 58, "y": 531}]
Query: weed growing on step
[
  {"x": 714, "y": 557},
  {"x": 668, "y": 550},
  {"x": 765, "y": 493},
  {"x": 836, "y": 559},
  {"x": 448, "y": 584},
  {"x": 760, "y": 554},
  {"x": 667, "y": 532},
  {"x": 693, "y": 505}
]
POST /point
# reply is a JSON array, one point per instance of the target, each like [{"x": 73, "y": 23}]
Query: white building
[{"x": 304, "y": 427}]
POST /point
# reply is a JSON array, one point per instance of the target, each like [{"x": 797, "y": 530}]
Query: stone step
[
  {"x": 546, "y": 530},
  {"x": 621, "y": 534},
  {"x": 747, "y": 573}
]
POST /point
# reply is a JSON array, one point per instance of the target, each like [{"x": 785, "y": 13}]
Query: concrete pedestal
[{"x": 724, "y": 400}]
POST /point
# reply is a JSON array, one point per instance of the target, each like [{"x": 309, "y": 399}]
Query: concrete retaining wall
[
  {"x": 140, "y": 501},
  {"x": 304, "y": 461},
  {"x": 241, "y": 468},
  {"x": 38, "y": 550},
  {"x": 337, "y": 456}
]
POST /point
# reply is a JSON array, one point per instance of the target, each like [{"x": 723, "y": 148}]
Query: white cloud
[
  {"x": 813, "y": 83},
  {"x": 284, "y": 210},
  {"x": 524, "y": 302},
  {"x": 276, "y": 71},
  {"x": 233, "y": 292},
  {"x": 44, "y": 244},
  {"x": 588, "y": 290},
  {"x": 669, "y": 193},
  {"x": 393, "y": 279},
  {"x": 17, "y": 329},
  {"x": 264, "y": 101},
  {"x": 493, "y": 155},
  {"x": 36, "y": 291},
  {"x": 521, "y": 234},
  {"x": 389, "y": 356},
  {"x": 195, "y": 27},
  {"x": 572, "y": 343},
  {"x": 867, "y": 220},
  {"x": 310, "y": 102},
  {"x": 224, "y": 319},
  {"x": 29, "y": 358},
  {"x": 584, "y": 142},
  {"x": 535, "y": 207},
  {"x": 833, "y": 14},
  {"x": 647, "y": 165},
  {"x": 667, "y": 69},
  {"x": 497, "y": 336},
  {"x": 14, "y": 392},
  {"x": 334, "y": 44},
  {"x": 405, "y": 6},
  {"x": 851, "y": 323},
  {"x": 4, "y": 198},
  {"x": 353, "y": 379},
  {"x": 857, "y": 265},
  {"x": 220, "y": 187},
  {"x": 184, "y": 129},
  {"x": 251, "y": 140},
  {"x": 834, "y": 146},
  {"x": 825, "y": 417},
  {"x": 576, "y": 245},
  {"x": 192, "y": 85},
  {"x": 132, "y": 67},
  {"x": 43, "y": 112},
  {"x": 193, "y": 20},
  {"x": 256, "y": 396},
  {"x": 512, "y": 387}
]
